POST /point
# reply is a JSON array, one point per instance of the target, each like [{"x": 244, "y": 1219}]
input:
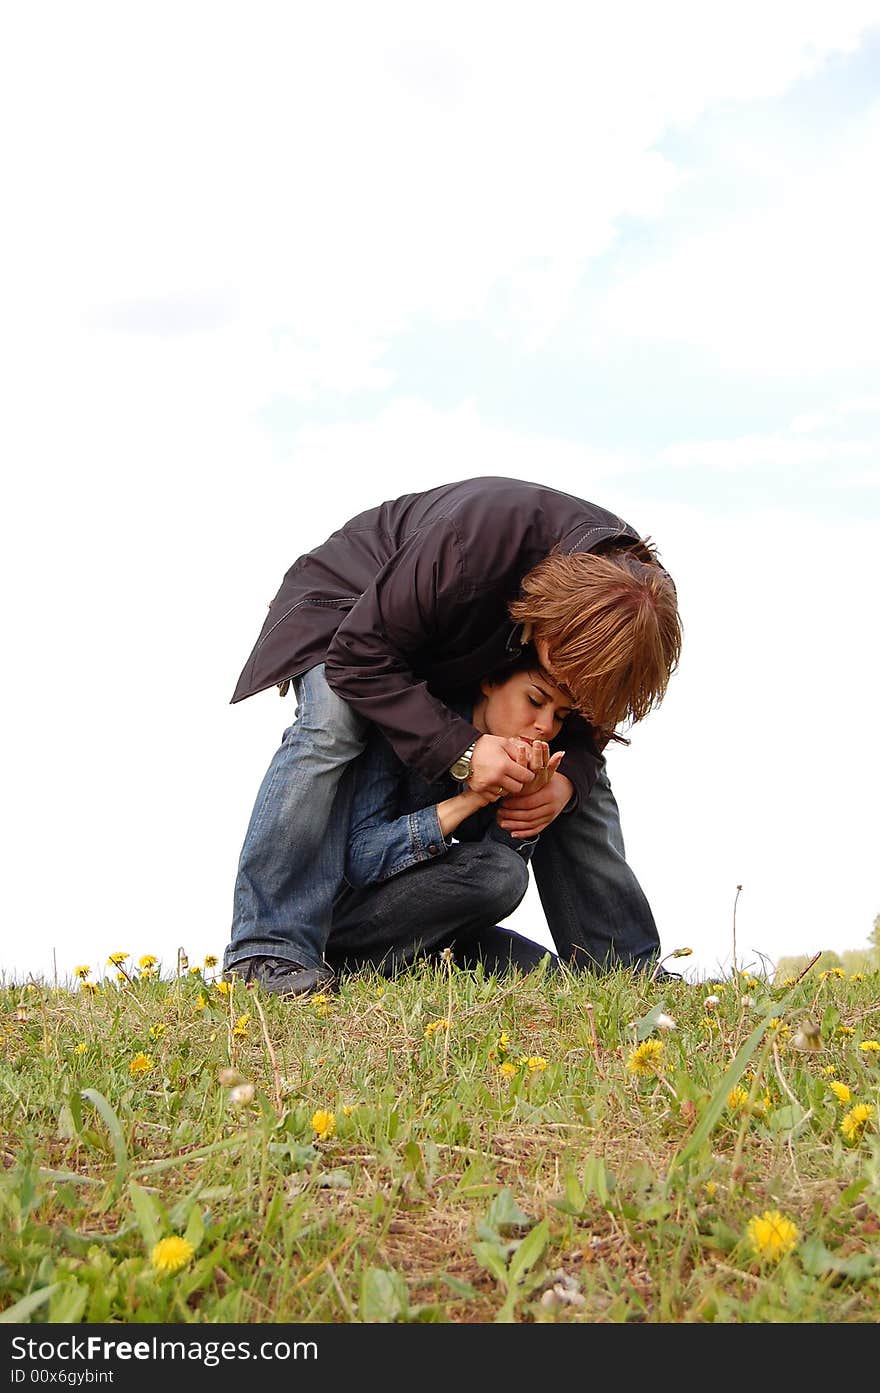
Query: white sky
[{"x": 267, "y": 265}]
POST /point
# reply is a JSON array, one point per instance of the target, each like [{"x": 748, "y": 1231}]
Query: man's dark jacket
[{"x": 409, "y": 600}]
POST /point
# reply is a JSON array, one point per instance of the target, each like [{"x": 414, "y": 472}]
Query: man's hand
[
  {"x": 499, "y": 765},
  {"x": 526, "y": 814}
]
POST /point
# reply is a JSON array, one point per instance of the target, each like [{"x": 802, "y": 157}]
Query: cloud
[
  {"x": 780, "y": 291},
  {"x": 337, "y": 174}
]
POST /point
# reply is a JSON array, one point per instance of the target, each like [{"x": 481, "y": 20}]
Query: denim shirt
[{"x": 394, "y": 822}]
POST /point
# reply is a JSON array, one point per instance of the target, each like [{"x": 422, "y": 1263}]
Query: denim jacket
[{"x": 394, "y": 823}]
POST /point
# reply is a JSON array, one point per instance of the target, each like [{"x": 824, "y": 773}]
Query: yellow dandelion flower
[
  {"x": 846, "y": 1030},
  {"x": 169, "y": 1255},
  {"x": 81, "y": 1047},
  {"x": 682, "y": 952},
  {"x": 211, "y": 960},
  {"x": 771, "y": 1235},
  {"x": 708, "y": 1023},
  {"x": 789, "y": 981},
  {"x": 536, "y": 1064},
  {"x": 857, "y": 977},
  {"x": 433, "y": 1026},
  {"x": 838, "y": 972},
  {"x": 201, "y": 1003},
  {"x": 348, "y": 1109},
  {"x": 855, "y": 1121},
  {"x": 90, "y": 988},
  {"x": 195, "y": 972},
  {"x": 224, "y": 988},
  {"x": 147, "y": 961},
  {"x": 775, "y": 1022},
  {"x": 121, "y": 977},
  {"x": 507, "y": 1070},
  {"x": 241, "y": 1027},
  {"x": 117, "y": 958},
  {"x": 82, "y": 972},
  {"x": 323, "y": 1124},
  {"x": 158, "y": 1030},
  {"x": 841, "y": 1092},
  {"x": 380, "y": 991},
  {"x": 737, "y": 1099},
  {"x": 646, "y": 1058},
  {"x": 503, "y": 1040},
  {"x": 141, "y": 1064},
  {"x": 710, "y": 1187},
  {"x": 870, "y": 1046},
  {"x": 830, "y": 1070}
]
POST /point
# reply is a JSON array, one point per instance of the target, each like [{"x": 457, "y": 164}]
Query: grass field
[{"x": 441, "y": 1147}]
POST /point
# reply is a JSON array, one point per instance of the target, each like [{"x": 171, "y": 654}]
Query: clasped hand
[{"x": 522, "y": 778}]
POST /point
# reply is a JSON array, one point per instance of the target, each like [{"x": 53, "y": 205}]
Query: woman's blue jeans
[{"x": 292, "y": 862}]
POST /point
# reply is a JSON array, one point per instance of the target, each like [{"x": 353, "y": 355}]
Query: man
[{"x": 405, "y": 606}]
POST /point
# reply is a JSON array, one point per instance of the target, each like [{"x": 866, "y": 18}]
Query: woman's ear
[{"x": 485, "y": 686}]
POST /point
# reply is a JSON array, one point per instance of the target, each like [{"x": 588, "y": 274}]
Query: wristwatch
[{"x": 461, "y": 769}]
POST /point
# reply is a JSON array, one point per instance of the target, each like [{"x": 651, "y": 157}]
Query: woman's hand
[
  {"x": 526, "y": 814},
  {"x": 542, "y": 764}
]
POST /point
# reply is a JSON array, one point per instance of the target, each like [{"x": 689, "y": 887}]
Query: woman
[{"x": 436, "y": 866}]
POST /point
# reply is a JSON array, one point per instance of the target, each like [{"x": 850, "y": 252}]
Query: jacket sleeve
[
  {"x": 582, "y": 760},
  {"x": 383, "y": 841},
  {"x": 421, "y": 593}
]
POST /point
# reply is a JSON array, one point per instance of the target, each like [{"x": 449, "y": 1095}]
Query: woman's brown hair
[{"x": 612, "y": 628}]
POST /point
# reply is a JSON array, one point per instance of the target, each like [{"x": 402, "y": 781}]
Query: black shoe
[
  {"x": 664, "y": 975},
  {"x": 280, "y": 977}
]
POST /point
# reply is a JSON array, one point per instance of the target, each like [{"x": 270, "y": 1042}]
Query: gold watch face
[{"x": 461, "y": 769}]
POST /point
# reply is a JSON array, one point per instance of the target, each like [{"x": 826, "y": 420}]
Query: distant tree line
[{"x": 852, "y": 960}]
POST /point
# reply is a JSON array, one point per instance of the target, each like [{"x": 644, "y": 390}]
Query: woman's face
[{"x": 526, "y": 706}]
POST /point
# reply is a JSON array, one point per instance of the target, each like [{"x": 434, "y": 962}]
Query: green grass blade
[
  {"x": 114, "y": 1127},
  {"x": 32, "y": 1302},
  {"x": 729, "y": 1079}
]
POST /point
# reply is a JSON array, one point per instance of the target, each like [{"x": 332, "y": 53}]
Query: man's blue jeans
[
  {"x": 293, "y": 856},
  {"x": 292, "y": 862},
  {"x": 594, "y": 906}
]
